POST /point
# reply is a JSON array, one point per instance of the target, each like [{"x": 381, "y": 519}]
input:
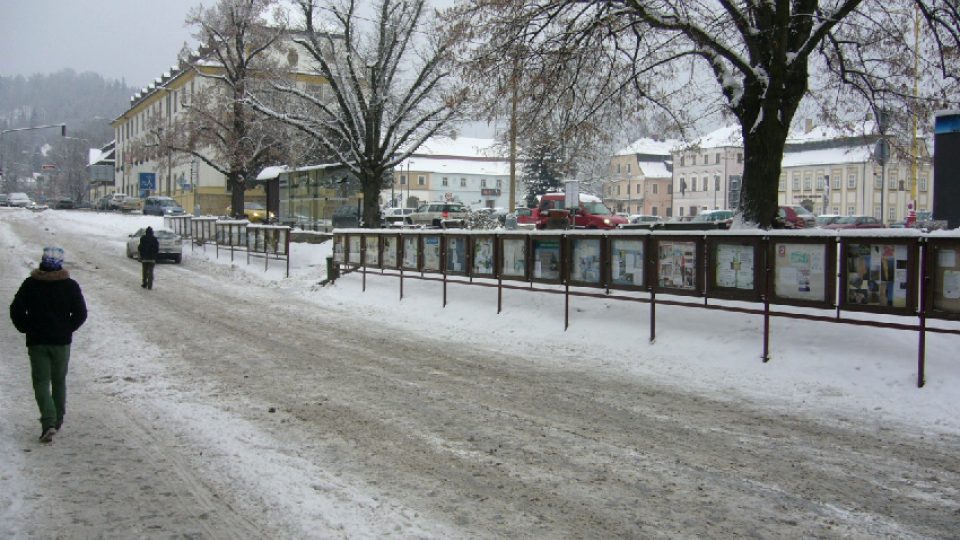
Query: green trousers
[{"x": 48, "y": 368}]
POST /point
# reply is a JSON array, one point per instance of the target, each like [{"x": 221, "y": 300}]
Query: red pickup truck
[{"x": 592, "y": 213}]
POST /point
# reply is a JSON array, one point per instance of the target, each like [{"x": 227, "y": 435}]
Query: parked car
[
  {"x": 162, "y": 206},
  {"x": 130, "y": 204},
  {"x": 171, "y": 246},
  {"x": 103, "y": 203},
  {"x": 19, "y": 199},
  {"x": 254, "y": 212},
  {"x": 64, "y": 203},
  {"x": 723, "y": 218},
  {"x": 856, "y": 222},
  {"x": 591, "y": 213},
  {"x": 4, "y": 199},
  {"x": 395, "y": 217},
  {"x": 795, "y": 217},
  {"x": 826, "y": 219},
  {"x": 439, "y": 214},
  {"x": 115, "y": 200},
  {"x": 345, "y": 217},
  {"x": 527, "y": 217},
  {"x": 639, "y": 219}
]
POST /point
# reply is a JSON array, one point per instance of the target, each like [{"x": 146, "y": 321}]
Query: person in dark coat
[
  {"x": 48, "y": 308},
  {"x": 148, "y": 249}
]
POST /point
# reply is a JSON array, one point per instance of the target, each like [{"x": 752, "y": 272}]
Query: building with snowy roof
[
  {"x": 640, "y": 178},
  {"x": 144, "y": 168},
  {"x": 707, "y": 173},
  {"x": 464, "y": 169}
]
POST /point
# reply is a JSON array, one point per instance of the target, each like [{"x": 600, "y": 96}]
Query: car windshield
[
  {"x": 847, "y": 220},
  {"x": 596, "y": 208},
  {"x": 801, "y": 211},
  {"x": 252, "y": 206},
  {"x": 168, "y": 202},
  {"x": 826, "y": 220}
]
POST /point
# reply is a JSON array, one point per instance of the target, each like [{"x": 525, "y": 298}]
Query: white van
[{"x": 19, "y": 199}]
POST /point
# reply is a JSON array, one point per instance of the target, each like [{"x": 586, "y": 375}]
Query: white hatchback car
[{"x": 171, "y": 246}]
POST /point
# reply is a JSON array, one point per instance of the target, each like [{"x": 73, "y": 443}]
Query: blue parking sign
[{"x": 148, "y": 181}]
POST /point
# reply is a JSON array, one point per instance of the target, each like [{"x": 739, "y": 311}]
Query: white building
[
  {"x": 465, "y": 169},
  {"x": 707, "y": 173}
]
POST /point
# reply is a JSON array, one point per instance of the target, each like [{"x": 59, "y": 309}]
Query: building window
[
  {"x": 851, "y": 210},
  {"x": 852, "y": 181},
  {"x": 403, "y": 179},
  {"x": 807, "y": 182},
  {"x": 739, "y": 157},
  {"x": 653, "y": 211},
  {"x": 483, "y": 182},
  {"x": 618, "y": 168},
  {"x": 716, "y": 182},
  {"x": 421, "y": 180},
  {"x": 445, "y": 182},
  {"x": 892, "y": 213},
  {"x": 463, "y": 182},
  {"x": 782, "y": 186},
  {"x": 628, "y": 168},
  {"x": 893, "y": 178},
  {"x": 499, "y": 183},
  {"x": 717, "y": 161},
  {"x": 669, "y": 211},
  {"x": 795, "y": 183},
  {"x": 876, "y": 212},
  {"x": 922, "y": 183},
  {"x": 877, "y": 183},
  {"x": 681, "y": 211},
  {"x": 654, "y": 189},
  {"x": 821, "y": 182},
  {"x": 693, "y": 183},
  {"x": 670, "y": 188}
]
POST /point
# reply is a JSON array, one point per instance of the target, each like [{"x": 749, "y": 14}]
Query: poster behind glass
[
  {"x": 456, "y": 254},
  {"x": 354, "y": 252},
  {"x": 677, "y": 265},
  {"x": 586, "y": 260},
  {"x": 946, "y": 279},
  {"x": 431, "y": 253},
  {"x": 371, "y": 253},
  {"x": 389, "y": 251},
  {"x": 514, "y": 258},
  {"x": 411, "y": 252},
  {"x": 483, "y": 261},
  {"x": 877, "y": 275},
  {"x": 735, "y": 266},
  {"x": 546, "y": 259},
  {"x": 800, "y": 271},
  {"x": 626, "y": 262},
  {"x": 338, "y": 248}
]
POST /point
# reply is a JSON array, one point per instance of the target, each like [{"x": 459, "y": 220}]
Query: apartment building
[
  {"x": 839, "y": 174},
  {"x": 639, "y": 178},
  {"x": 465, "y": 169},
  {"x": 707, "y": 173},
  {"x": 143, "y": 169}
]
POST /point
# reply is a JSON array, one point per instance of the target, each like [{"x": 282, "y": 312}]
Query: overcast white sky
[{"x": 135, "y": 40}]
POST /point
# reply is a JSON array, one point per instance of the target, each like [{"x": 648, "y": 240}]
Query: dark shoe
[
  {"x": 48, "y": 434},
  {"x": 59, "y": 423},
  {"x": 143, "y": 285}
]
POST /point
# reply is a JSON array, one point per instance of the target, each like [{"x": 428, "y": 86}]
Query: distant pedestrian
[
  {"x": 148, "y": 249},
  {"x": 49, "y": 308}
]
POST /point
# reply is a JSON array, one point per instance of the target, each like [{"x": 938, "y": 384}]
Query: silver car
[
  {"x": 440, "y": 214},
  {"x": 171, "y": 246}
]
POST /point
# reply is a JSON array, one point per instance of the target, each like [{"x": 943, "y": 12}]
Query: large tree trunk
[
  {"x": 762, "y": 150},
  {"x": 236, "y": 194},
  {"x": 371, "y": 185}
]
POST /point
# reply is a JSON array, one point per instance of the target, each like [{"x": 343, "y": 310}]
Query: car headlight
[{"x": 606, "y": 221}]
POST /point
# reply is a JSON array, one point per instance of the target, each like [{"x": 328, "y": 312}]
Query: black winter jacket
[
  {"x": 149, "y": 247},
  {"x": 48, "y": 308}
]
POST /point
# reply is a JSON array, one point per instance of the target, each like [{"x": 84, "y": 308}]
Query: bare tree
[
  {"x": 759, "y": 55},
  {"x": 219, "y": 127},
  {"x": 387, "y": 88}
]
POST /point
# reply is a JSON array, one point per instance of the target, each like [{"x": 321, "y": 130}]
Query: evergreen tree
[{"x": 541, "y": 172}]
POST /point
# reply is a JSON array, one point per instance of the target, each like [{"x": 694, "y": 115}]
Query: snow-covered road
[{"x": 222, "y": 406}]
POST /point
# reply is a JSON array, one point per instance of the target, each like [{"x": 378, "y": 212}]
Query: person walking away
[
  {"x": 148, "y": 249},
  {"x": 48, "y": 308}
]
